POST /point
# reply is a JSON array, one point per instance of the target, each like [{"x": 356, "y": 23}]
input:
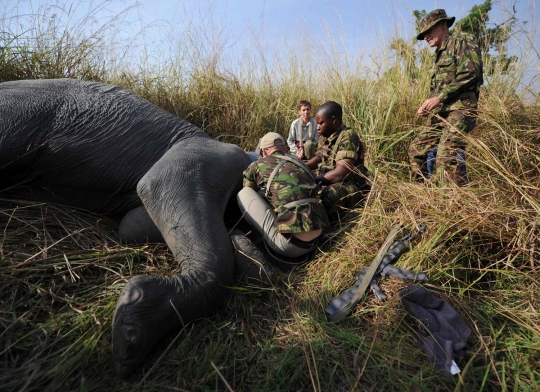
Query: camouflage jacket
[
  {"x": 291, "y": 183},
  {"x": 457, "y": 76},
  {"x": 336, "y": 147}
]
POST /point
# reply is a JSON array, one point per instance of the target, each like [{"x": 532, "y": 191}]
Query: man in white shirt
[{"x": 303, "y": 136}]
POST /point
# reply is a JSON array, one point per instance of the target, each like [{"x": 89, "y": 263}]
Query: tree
[{"x": 492, "y": 41}]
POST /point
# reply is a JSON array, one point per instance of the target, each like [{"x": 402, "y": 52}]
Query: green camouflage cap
[{"x": 431, "y": 19}]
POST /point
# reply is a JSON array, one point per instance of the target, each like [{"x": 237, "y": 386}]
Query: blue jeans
[{"x": 460, "y": 157}]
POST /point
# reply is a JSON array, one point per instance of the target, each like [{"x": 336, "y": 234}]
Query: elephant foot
[
  {"x": 250, "y": 267},
  {"x": 144, "y": 315}
]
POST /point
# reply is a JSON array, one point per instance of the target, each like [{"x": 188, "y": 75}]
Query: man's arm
[
  {"x": 348, "y": 153},
  {"x": 342, "y": 170},
  {"x": 249, "y": 177},
  {"x": 291, "y": 139},
  {"x": 313, "y": 162}
]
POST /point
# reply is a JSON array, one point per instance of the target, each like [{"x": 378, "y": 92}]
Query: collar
[
  {"x": 444, "y": 45},
  {"x": 335, "y": 135}
]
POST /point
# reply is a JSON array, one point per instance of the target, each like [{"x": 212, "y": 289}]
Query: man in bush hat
[
  {"x": 451, "y": 107},
  {"x": 279, "y": 199}
]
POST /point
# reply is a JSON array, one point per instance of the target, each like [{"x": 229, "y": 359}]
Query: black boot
[{"x": 250, "y": 266}]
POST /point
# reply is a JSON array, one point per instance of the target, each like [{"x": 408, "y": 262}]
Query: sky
[
  {"x": 359, "y": 27},
  {"x": 370, "y": 21},
  {"x": 355, "y": 27},
  {"x": 283, "y": 16}
]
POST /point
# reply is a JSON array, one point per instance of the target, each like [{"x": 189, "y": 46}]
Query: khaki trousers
[{"x": 260, "y": 215}]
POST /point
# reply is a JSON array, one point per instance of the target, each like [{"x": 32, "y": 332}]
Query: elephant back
[{"x": 82, "y": 135}]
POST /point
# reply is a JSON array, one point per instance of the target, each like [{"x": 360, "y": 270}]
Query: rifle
[{"x": 342, "y": 305}]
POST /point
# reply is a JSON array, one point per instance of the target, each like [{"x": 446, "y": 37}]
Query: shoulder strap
[
  {"x": 298, "y": 162},
  {"x": 312, "y": 129},
  {"x": 299, "y": 134},
  {"x": 336, "y": 146},
  {"x": 282, "y": 161},
  {"x": 274, "y": 172}
]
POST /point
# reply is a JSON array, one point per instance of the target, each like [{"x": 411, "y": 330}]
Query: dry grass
[{"x": 62, "y": 270}]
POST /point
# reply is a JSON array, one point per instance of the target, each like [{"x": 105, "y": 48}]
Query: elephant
[{"x": 102, "y": 148}]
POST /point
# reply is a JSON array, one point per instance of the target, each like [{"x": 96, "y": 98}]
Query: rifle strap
[{"x": 340, "y": 308}]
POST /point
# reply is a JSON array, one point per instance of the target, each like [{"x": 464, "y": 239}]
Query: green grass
[{"x": 62, "y": 270}]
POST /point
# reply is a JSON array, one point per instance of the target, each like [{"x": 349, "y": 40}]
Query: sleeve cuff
[
  {"x": 247, "y": 183},
  {"x": 346, "y": 154},
  {"x": 442, "y": 97}
]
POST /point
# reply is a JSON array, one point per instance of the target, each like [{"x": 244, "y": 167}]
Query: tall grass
[{"x": 62, "y": 270}]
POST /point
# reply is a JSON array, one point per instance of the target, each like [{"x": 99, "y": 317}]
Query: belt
[{"x": 299, "y": 243}]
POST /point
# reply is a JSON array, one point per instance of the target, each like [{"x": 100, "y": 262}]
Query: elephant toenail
[
  {"x": 132, "y": 334},
  {"x": 134, "y": 295}
]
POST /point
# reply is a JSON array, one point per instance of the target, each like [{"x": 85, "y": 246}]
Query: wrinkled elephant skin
[{"x": 102, "y": 148}]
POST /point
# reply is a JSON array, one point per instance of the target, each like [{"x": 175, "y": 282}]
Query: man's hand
[
  {"x": 300, "y": 153},
  {"x": 428, "y": 105},
  {"x": 320, "y": 179}
]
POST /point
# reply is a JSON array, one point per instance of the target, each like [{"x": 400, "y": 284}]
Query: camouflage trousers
[
  {"x": 344, "y": 195},
  {"x": 445, "y": 137}
]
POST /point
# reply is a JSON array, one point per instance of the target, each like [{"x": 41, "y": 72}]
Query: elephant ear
[{"x": 250, "y": 266}]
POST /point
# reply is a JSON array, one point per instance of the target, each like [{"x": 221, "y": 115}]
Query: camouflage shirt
[
  {"x": 457, "y": 76},
  {"x": 290, "y": 183},
  {"x": 349, "y": 146}
]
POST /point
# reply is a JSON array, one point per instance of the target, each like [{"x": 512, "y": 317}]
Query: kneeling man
[{"x": 279, "y": 199}]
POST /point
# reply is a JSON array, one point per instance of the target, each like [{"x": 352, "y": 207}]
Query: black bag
[{"x": 443, "y": 334}]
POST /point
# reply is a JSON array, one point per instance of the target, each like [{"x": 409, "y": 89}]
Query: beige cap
[{"x": 272, "y": 139}]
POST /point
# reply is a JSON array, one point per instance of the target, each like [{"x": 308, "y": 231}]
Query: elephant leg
[
  {"x": 150, "y": 301},
  {"x": 185, "y": 193},
  {"x": 138, "y": 228},
  {"x": 250, "y": 267}
]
